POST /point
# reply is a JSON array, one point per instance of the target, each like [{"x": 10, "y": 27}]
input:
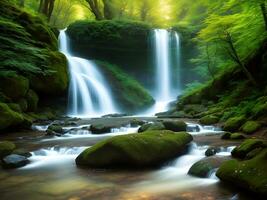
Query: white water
[
  {"x": 165, "y": 91},
  {"x": 89, "y": 94}
]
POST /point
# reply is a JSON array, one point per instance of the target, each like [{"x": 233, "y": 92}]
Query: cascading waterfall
[
  {"x": 167, "y": 64},
  {"x": 88, "y": 91}
]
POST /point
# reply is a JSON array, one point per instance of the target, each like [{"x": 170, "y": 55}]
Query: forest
[{"x": 133, "y": 99}]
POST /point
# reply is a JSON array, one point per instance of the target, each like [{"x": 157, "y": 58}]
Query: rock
[
  {"x": 14, "y": 86},
  {"x": 246, "y": 147},
  {"x": 6, "y": 148},
  {"x": 114, "y": 115},
  {"x": 226, "y": 136},
  {"x": 54, "y": 130},
  {"x": 22, "y": 152},
  {"x": 237, "y": 136},
  {"x": 32, "y": 99},
  {"x": 136, "y": 122},
  {"x": 203, "y": 167},
  {"x": 151, "y": 126},
  {"x": 14, "y": 161},
  {"x": 148, "y": 149},
  {"x": 209, "y": 120},
  {"x": 8, "y": 117},
  {"x": 194, "y": 109},
  {"x": 211, "y": 151},
  {"x": 174, "y": 125},
  {"x": 100, "y": 128},
  {"x": 251, "y": 127},
  {"x": 249, "y": 174},
  {"x": 234, "y": 123}
]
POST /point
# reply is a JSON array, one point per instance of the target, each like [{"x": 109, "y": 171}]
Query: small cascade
[{"x": 89, "y": 93}]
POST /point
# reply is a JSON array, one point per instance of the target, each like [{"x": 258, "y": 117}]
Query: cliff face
[{"x": 31, "y": 68}]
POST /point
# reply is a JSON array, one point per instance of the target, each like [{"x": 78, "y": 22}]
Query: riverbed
[{"x": 53, "y": 174}]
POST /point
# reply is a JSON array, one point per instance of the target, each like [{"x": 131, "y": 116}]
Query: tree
[
  {"x": 46, "y": 7},
  {"x": 95, "y": 8}
]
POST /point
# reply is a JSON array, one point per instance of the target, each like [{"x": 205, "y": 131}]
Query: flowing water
[
  {"x": 89, "y": 94},
  {"x": 52, "y": 173}
]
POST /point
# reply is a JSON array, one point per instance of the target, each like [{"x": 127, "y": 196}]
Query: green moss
[
  {"x": 251, "y": 127},
  {"x": 209, "y": 119},
  {"x": 110, "y": 33},
  {"x": 129, "y": 94},
  {"x": 175, "y": 125},
  {"x": 237, "y": 136},
  {"x": 6, "y": 148},
  {"x": 250, "y": 174},
  {"x": 32, "y": 99},
  {"x": 234, "y": 123},
  {"x": 246, "y": 147},
  {"x": 15, "y": 107},
  {"x": 147, "y": 149},
  {"x": 152, "y": 127},
  {"x": 8, "y": 117},
  {"x": 14, "y": 86}
]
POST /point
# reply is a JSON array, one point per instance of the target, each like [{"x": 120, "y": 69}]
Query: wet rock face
[
  {"x": 148, "y": 149},
  {"x": 204, "y": 167},
  {"x": 14, "y": 161}
]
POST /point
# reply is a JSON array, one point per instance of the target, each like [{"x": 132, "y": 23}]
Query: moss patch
[
  {"x": 209, "y": 120},
  {"x": 251, "y": 127},
  {"x": 234, "y": 123},
  {"x": 146, "y": 149},
  {"x": 9, "y": 117}
]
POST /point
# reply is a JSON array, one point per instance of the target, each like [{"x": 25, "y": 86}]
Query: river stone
[
  {"x": 6, "y": 148},
  {"x": 151, "y": 127},
  {"x": 211, "y": 151},
  {"x": 204, "y": 167},
  {"x": 249, "y": 174},
  {"x": 100, "y": 128},
  {"x": 14, "y": 161},
  {"x": 148, "y": 149},
  {"x": 174, "y": 125},
  {"x": 55, "y": 130}
]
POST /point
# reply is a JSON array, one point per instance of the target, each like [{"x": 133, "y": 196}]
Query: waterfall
[
  {"x": 167, "y": 64},
  {"x": 89, "y": 94}
]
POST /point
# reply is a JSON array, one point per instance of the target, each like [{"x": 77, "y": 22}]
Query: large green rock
[
  {"x": 175, "y": 125},
  {"x": 151, "y": 127},
  {"x": 234, "y": 123},
  {"x": 209, "y": 120},
  {"x": 251, "y": 127},
  {"x": 14, "y": 86},
  {"x": 249, "y": 174},
  {"x": 247, "y": 146},
  {"x": 56, "y": 82},
  {"x": 147, "y": 149},
  {"x": 8, "y": 117},
  {"x": 6, "y": 148}
]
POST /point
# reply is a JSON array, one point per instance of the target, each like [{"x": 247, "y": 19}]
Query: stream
[{"x": 53, "y": 174}]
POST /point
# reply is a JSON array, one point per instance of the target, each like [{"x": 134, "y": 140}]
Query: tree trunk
[
  {"x": 21, "y": 3},
  {"x": 108, "y": 9},
  {"x": 234, "y": 55},
  {"x": 95, "y": 9},
  {"x": 50, "y": 9},
  {"x": 264, "y": 13},
  {"x": 40, "y": 6}
]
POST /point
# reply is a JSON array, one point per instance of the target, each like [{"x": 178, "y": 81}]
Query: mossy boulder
[
  {"x": 209, "y": 120},
  {"x": 6, "y": 148},
  {"x": 100, "y": 128},
  {"x": 251, "y": 127},
  {"x": 8, "y": 117},
  {"x": 56, "y": 82},
  {"x": 194, "y": 109},
  {"x": 211, "y": 151},
  {"x": 148, "y": 149},
  {"x": 234, "y": 123},
  {"x": 151, "y": 127},
  {"x": 205, "y": 166},
  {"x": 14, "y": 86},
  {"x": 175, "y": 125},
  {"x": 54, "y": 130},
  {"x": 237, "y": 136},
  {"x": 249, "y": 174},
  {"x": 246, "y": 147},
  {"x": 32, "y": 99},
  {"x": 226, "y": 136}
]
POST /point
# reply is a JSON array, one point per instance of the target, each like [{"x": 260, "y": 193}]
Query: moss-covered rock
[
  {"x": 14, "y": 86},
  {"x": 32, "y": 99},
  {"x": 100, "y": 128},
  {"x": 151, "y": 127},
  {"x": 250, "y": 174},
  {"x": 205, "y": 166},
  {"x": 6, "y": 148},
  {"x": 175, "y": 125},
  {"x": 237, "y": 136},
  {"x": 56, "y": 82},
  {"x": 226, "y": 136},
  {"x": 148, "y": 149},
  {"x": 54, "y": 130},
  {"x": 8, "y": 117},
  {"x": 234, "y": 123},
  {"x": 209, "y": 120},
  {"x": 250, "y": 127},
  {"x": 246, "y": 147},
  {"x": 194, "y": 109},
  {"x": 211, "y": 151}
]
